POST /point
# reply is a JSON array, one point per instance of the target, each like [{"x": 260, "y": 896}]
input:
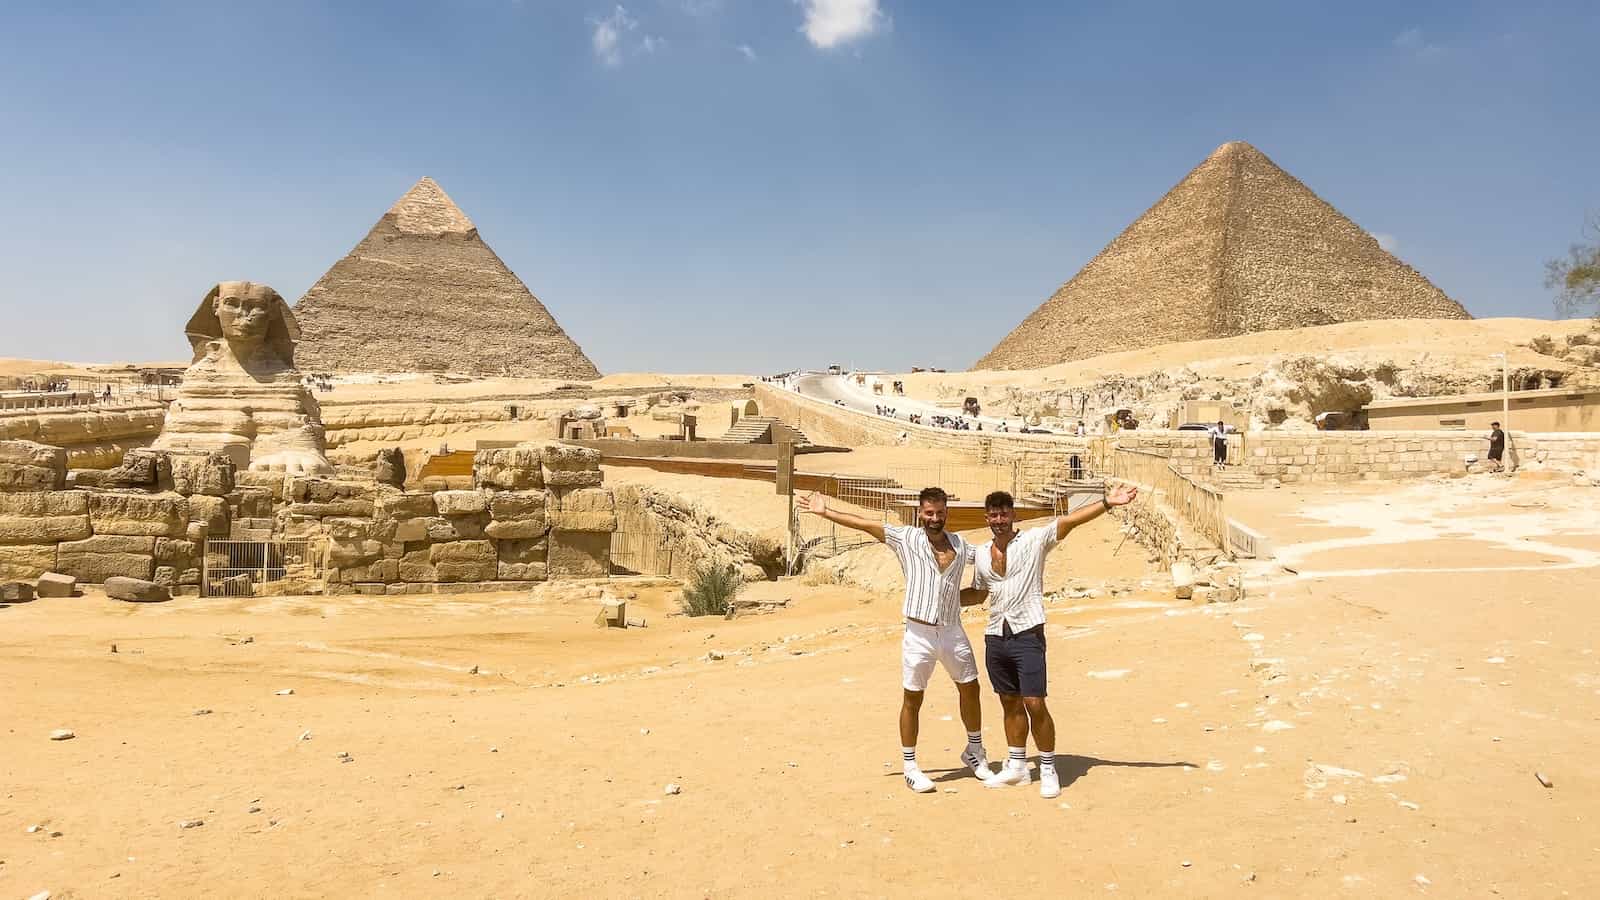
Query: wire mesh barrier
[
  {"x": 889, "y": 497},
  {"x": 1198, "y": 504},
  {"x": 649, "y": 550},
  {"x": 234, "y": 568}
]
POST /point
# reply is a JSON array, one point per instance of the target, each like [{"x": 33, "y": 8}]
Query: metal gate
[{"x": 234, "y": 568}]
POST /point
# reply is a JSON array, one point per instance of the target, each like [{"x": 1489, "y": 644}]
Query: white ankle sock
[
  {"x": 908, "y": 755},
  {"x": 1047, "y": 761},
  {"x": 974, "y": 739},
  {"x": 1017, "y": 758}
]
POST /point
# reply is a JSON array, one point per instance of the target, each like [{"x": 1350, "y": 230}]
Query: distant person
[
  {"x": 932, "y": 561},
  {"x": 1497, "y": 445},
  {"x": 1008, "y": 571},
  {"x": 106, "y": 395},
  {"x": 1082, "y": 431},
  {"x": 1219, "y": 444}
]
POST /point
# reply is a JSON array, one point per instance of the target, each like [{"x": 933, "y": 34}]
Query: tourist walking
[
  {"x": 1219, "y": 444},
  {"x": 932, "y": 561},
  {"x": 1008, "y": 571},
  {"x": 1497, "y": 445}
]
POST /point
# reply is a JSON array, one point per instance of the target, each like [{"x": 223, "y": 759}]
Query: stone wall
[
  {"x": 695, "y": 535},
  {"x": 533, "y": 513},
  {"x": 1039, "y": 459},
  {"x": 1288, "y": 456},
  {"x": 94, "y": 437}
]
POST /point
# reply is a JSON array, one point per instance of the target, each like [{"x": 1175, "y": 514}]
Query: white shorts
[{"x": 924, "y": 645}]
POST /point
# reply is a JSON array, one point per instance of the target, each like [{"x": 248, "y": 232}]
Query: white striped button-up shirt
[
  {"x": 932, "y": 596},
  {"x": 1017, "y": 597}
]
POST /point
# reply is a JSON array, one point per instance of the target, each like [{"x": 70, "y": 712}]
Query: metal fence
[
  {"x": 647, "y": 551},
  {"x": 234, "y": 568},
  {"x": 889, "y": 497},
  {"x": 1198, "y": 504}
]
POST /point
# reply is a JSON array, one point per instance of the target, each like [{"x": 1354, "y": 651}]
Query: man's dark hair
[
  {"x": 936, "y": 495},
  {"x": 999, "y": 500},
  {"x": 1494, "y": 424}
]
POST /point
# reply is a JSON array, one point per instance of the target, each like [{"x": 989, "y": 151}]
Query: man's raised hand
[
  {"x": 815, "y": 503},
  {"x": 1122, "y": 495}
]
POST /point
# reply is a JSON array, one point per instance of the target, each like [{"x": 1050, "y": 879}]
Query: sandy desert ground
[{"x": 1370, "y": 727}]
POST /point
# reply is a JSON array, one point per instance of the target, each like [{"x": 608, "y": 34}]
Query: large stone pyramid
[
  {"x": 422, "y": 292},
  {"x": 1238, "y": 246}
]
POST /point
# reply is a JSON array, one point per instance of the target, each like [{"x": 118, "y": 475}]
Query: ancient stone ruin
[
  {"x": 242, "y": 395},
  {"x": 422, "y": 292},
  {"x": 534, "y": 512},
  {"x": 1238, "y": 246}
]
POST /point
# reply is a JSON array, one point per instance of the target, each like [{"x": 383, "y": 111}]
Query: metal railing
[
  {"x": 234, "y": 568},
  {"x": 649, "y": 550},
  {"x": 1198, "y": 504}
]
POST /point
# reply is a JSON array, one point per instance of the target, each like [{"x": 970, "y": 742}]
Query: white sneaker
[
  {"x": 978, "y": 762},
  {"x": 1008, "y": 776},
  {"x": 919, "y": 782},
  {"x": 1049, "y": 784}
]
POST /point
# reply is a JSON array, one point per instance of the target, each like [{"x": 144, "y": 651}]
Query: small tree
[
  {"x": 710, "y": 589},
  {"x": 1576, "y": 279}
]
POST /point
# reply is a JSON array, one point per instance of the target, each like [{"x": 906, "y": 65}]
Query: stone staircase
[
  {"x": 1234, "y": 478},
  {"x": 1057, "y": 494},
  {"x": 758, "y": 430}
]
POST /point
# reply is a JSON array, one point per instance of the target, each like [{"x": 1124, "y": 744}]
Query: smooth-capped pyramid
[
  {"x": 1238, "y": 246},
  {"x": 422, "y": 292}
]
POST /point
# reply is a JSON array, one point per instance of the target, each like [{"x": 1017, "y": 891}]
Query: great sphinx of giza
[{"x": 242, "y": 395}]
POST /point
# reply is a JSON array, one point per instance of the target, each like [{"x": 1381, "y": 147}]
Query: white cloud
[
  {"x": 607, "y": 38},
  {"x": 830, "y": 23},
  {"x": 1387, "y": 241},
  {"x": 701, "y": 7},
  {"x": 748, "y": 52},
  {"x": 1412, "y": 40}
]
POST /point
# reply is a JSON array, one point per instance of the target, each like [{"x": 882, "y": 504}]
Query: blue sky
[{"x": 751, "y": 185}]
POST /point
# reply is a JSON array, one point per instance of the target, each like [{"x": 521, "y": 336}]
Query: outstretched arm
[
  {"x": 1121, "y": 495},
  {"x": 817, "y": 505}
]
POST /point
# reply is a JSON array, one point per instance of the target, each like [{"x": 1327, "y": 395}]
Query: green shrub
[{"x": 710, "y": 589}]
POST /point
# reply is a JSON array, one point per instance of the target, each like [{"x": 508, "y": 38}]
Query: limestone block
[
  {"x": 210, "y": 474},
  {"x": 508, "y": 469},
  {"x": 16, "y": 592},
  {"x": 103, "y": 556},
  {"x": 55, "y": 584},
  {"x": 142, "y": 469},
  {"x": 464, "y": 560},
  {"x": 30, "y": 466},
  {"x": 179, "y": 554},
  {"x": 253, "y": 502},
  {"x": 457, "y": 528},
  {"x": 410, "y": 530},
  {"x": 389, "y": 467},
  {"x": 349, "y": 507},
  {"x": 353, "y": 553},
  {"x": 583, "y": 509},
  {"x": 26, "y": 560},
  {"x": 517, "y": 515},
  {"x": 406, "y": 506},
  {"x": 137, "y": 590},
  {"x": 276, "y": 484},
  {"x": 139, "y": 514},
  {"x": 569, "y": 479},
  {"x": 531, "y": 571},
  {"x": 564, "y": 458},
  {"x": 417, "y": 565},
  {"x": 579, "y": 554},
  {"x": 461, "y": 503},
  {"x": 44, "y": 516},
  {"x": 211, "y": 513}
]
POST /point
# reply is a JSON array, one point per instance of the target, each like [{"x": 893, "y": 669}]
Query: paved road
[{"x": 831, "y": 388}]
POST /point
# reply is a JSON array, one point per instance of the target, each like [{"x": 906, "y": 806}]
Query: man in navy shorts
[{"x": 1009, "y": 572}]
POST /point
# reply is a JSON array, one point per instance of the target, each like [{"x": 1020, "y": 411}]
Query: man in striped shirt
[
  {"x": 1009, "y": 572},
  {"x": 932, "y": 561}
]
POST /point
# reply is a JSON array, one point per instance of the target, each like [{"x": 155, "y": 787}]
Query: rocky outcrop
[
  {"x": 93, "y": 437},
  {"x": 696, "y": 536}
]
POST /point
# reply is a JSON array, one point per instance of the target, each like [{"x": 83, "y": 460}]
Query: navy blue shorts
[{"x": 1016, "y": 661}]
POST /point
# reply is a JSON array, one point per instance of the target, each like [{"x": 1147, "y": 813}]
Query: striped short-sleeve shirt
[
  {"x": 932, "y": 595},
  {"x": 1017, "y": 597}
]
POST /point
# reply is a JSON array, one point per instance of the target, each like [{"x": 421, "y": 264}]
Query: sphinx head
[{"x": 248, "y": 317}]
